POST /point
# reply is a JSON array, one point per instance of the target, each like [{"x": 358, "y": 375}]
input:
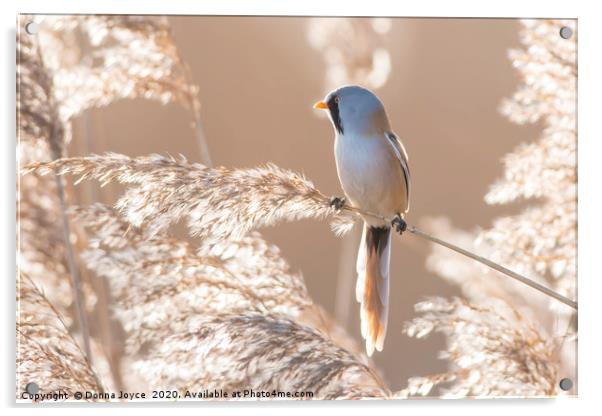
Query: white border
[{"x": 590, "y": 209}]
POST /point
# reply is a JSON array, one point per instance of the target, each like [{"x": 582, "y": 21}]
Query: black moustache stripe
[{"x": 333, "y": 107}]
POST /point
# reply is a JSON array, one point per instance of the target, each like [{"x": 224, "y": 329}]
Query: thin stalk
[
  {"x": 202, "y": 143},
  {"x": 524, "y": 280},
  {"x": 102, "y": 315},
  {"x": 495, "y": 266},
  {"x": 73, "y": 270},
  {"x": 57, "y": 142},
  {"x": 344, "y": 292}
]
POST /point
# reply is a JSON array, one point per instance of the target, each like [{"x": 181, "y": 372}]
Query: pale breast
[{"x": 370, "y": 174}]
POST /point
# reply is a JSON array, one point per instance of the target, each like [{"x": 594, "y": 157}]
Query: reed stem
[{"x": 524, "y": 280}]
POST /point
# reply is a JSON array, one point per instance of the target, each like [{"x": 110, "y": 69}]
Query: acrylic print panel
[{"x": 206, "y": 268}]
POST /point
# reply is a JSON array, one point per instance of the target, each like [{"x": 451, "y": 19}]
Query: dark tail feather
[{"x": 372, "y": 288}]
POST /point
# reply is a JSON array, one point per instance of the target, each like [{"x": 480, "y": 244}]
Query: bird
[{"x": 372, "y": 166}]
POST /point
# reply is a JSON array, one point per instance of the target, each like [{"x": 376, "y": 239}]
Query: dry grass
[
  {"x": 47, "y": 353},
  {"x": 495, "y": 351},
  {"x": 521, "y": 343},
  {"x": 73, "y": 64},
  {"x": 220, "y": 203},
  {"x": 167, "y": 293},
  {"x": 162, "y": 285},
  {"x": 353, "y": 50},
  {"x": 96, "y": 60},
  {"x": 262, "y": 352},
  {"x": 232, "y": 294},
  {"x": 42, "y": 251}
]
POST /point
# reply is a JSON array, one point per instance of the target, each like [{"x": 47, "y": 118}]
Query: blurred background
[{"x": 441, "y": 81}]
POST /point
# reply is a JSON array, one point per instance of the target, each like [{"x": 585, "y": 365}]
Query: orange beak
[{"x": 321, "y": 105}]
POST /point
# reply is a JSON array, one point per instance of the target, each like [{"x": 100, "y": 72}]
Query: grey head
[{"x": 355, "y": 110}]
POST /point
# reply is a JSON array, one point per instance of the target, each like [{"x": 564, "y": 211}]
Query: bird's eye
[{"x": 337, "y": 99}]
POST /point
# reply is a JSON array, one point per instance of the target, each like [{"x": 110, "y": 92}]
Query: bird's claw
[
  {"x": 337, "y": 202},
  {"x": 399, "y": 224}
]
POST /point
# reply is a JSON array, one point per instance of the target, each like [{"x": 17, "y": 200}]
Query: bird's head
[{"x": 355, "y": 110}]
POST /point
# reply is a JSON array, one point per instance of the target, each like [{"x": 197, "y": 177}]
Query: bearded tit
[{"x": 372, "y": 166}]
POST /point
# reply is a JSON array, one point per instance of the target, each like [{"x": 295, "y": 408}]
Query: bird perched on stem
[{"x": 372, "y": 165}]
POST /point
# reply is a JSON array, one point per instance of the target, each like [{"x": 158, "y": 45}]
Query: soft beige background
[{"x": 258, "y": 78}]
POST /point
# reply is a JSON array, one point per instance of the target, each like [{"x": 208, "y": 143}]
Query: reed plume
[
  {"x": 262, "y": 353},
  {"x": 42, "y": 253},
  {"x": 183, "y": 283},
  {"x": 76, "y": 63},
  {"x": 47, "y": 353},
  {"x": 353, "y": 50},
  {"x": 220, "y": 203},
  {"x": 231, "y": 272},
  {"x": 234, "y": 307},
  {"x": 496, "y": 351},
  {"x": 96, "y": 60},
  {"x": 73, "y": 64},
  {"x": 535, "y": 345}
]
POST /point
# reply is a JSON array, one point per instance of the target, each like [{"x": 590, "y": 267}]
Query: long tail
[{"x": 372, "y": 288}]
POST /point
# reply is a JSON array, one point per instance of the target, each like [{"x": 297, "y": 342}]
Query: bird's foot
[
  {"x": 399, "y": 224},
  {"x": 337, "y": 202}
]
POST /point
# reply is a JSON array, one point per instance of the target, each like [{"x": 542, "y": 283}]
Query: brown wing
[{"x": 402, "y": 155}]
